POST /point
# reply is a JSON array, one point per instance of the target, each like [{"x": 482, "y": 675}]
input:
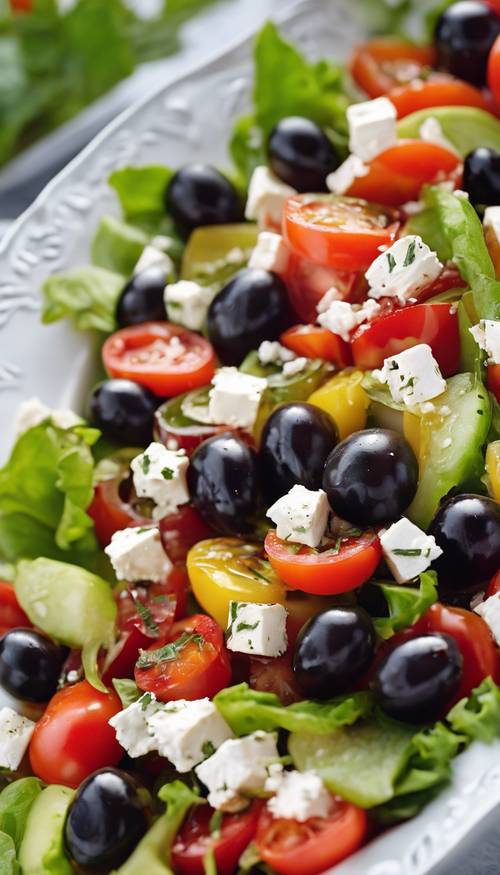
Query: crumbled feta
[
  {"x": 372, "y": 127},
  {"x": 431, "y": 132},
  {"x": 341, "y": 179},
  {"x": 271, "y": 352},
  {"x": 152, "y": 256},
  {"x": 491, "y": 220},
  {"x": 301, "y": 515},
  {"x": 187, "y": 303},
  {"x": 270, "y": 253},
  {"x": 490, "y": 612},
  {"x": 342, "y": 318},
  {"x": 160, "y": 474},
  {"x": 187, "y": 732},
  {"x": 413, "y": 375},
  {"x": 259, "y": 630},
  {"x": 131, "y": 726},
  {"x": 266, "y": 197},
  {"x": 328, "y": 298},
  {"x": 138, "y": 554},
  {"x": 291, "y": 369},
  {"x": 239, "y": 767},
  {"x": 33, "y": 412},
  {"x": 235, "y": 397},
  {"x": 413, "y": 208},
  {"x": 487, "y": 336},
  {"x": 408, "y": 550},
  {"x": 403, "y": 269},
  {"x": 299, "y": 796},
  {"x": 463, "y": 194},
  {"x": 15, "y": 736}
]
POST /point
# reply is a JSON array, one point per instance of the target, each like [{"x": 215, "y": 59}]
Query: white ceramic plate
[{"x": 185, "y": 120}]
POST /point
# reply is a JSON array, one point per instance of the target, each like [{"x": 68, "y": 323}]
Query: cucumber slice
[
  {"x": 41, "y": 849},
  {"x": 465, "y": 126}
]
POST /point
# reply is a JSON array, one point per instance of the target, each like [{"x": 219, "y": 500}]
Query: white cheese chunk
[
  {"x": 33, "y": 412},
  {"x": 137, "y": 554},
  {"x": 270, "y": 253},
  {"x": 339, "y": 318},
  {"x": 15, "y": 736},
  {"x": 372, "y": 127},
  {"x": 332, "y": 294},
  {"x": 413, "y": 375},
  {"x": 408, "y": 550},
  {"x": 291, "y": 369},
  {"x": 187, "y": 732},
  {"x": 235, "y": 397},
  {"x": 491, "y": 221},
  {"x": 489, "y": 610},
  {"x": 160, "y": 474},
  {"x": 259, "y": 630},
  {"x": 487, "y": 335},
  {"x": 239, "y": 768},
  {"x": 266, "y": 197},
  {"x": 187, "y": 303},
  {"x": 301, "y": 515},
  {"x": 431, "y": 132},
  {"x": 403, "y": 269},
  {"x": 152, "y": 256},
  {"x": 271, "y": 352},
  {"x": 131, "y": 726},
  {"x": 299, "y": 796},
  {"x": 341, "y": 179}
]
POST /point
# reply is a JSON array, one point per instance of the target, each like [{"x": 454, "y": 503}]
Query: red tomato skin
[
  {"x": 493, "y": 380},
  {"x": 494, "y": 585},
  {"x": 307, "y": 282},
  {"x": 372, "y": 63},
  {"x": 110, "y": 513},
  {"x": 434, "y": 324},
  {"x": 275, "y": 675},
  {"x": 493, "y": 74},
  {"x": 182, "y": 530},
  {"x": 21, "y": 6},
  {"x": 439, "y": 90},
  {"x": 312, "y": 341},
  {"x": 73, "y": 737},
  {"x": 194, "y": 840},
  {"x": 12, "y": 615}
]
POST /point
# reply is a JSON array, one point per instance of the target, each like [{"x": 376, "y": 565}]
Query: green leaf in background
[
  {"x": 478, "y": 717},
  {"x": 406, "y": 604},
  {"x": 16, "y": 800},
  {"x": 465, "y": 126},
  {"x": 141, "y": 189},
  {"x": 87, "y": 295},
  {"x": 127, "y": 691},
  {"x": 8, "y": 856},
  {"x": 117, "y": 246}
]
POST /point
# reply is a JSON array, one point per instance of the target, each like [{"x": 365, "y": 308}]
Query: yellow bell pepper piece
[{"x": 345, "y": 400}]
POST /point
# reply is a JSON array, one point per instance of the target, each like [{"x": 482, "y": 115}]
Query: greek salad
[{"x": 250, "y": 609}]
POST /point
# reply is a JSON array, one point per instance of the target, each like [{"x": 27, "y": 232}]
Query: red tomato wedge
[
  {"x": 435, "y": 324},
  {"x": 11, "y": 614},
  {"x": 493, "y": 380},
  {"x": 275, "y": 675},
  {"x": 165, "y": 358},
  {"x": 195, "y": 840},
  {"x": 494, "y": 585},
  {"x": 494, "y": 65},
  {"x": 312, "y": 341},
  {"x": 439, "y": 90},
  {"x": 384, "y": 63},
  {"x": 340, "y": 232},
  {"x": 307, "y": 282},
  {"x": 339, "y": 569},
  {"x": 398, "y": 174}
]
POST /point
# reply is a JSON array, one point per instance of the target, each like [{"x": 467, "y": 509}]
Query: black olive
[
  {"x": 198, "y": 195},
  {"x": 108, "y": 816},
  {"x": 301, "y": 154},
  {"x": 482, "y": 176},
  {"x": 415, "y": 681},
  {"x": 370, "y": 596},
  {"x": 333, "y": 651},
  {"x": 223, "y": 483},
  {"x": 296, "y": 441},
  {"x": 464, "y": 35},
  {"x": 467, "y": 528},
  {"x": 252, "y": 307},
  {"x": 30, "y": 665},
  {"x": 371, "y": 477},
  {"x": 142, "y": 298},
  {"x": 124, "y": 411}
]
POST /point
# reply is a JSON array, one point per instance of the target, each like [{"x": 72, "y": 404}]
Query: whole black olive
[
  {"x": 301, "y": 154},
  {"x": 124, "y": 411},
  {"x": 482, "y": 176},
  {"x": 464, "y": 35},
  {"x": 142, "y": 299},
  {"x": 198, "y": 195},
  {"x": 30, "y": 664},
  {"x": 467, "y": 528}
]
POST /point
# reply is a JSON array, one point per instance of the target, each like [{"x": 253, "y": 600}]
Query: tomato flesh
[
  {"x": 493, "y": 380},
  {"x": 384, "y": 63},
  {"x": 11, "y": 614},
  {"x": 312, "y": 341},
  {"x": 307, "y": 282},
  {"x": 195, "y": 840},
  {"x": 438, "y": 90}
]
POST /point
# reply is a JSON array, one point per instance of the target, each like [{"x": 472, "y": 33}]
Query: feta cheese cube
[
  {"x": 372, "y": 127},
  {"x": 431, "y": 132},
  {"x": 259, "y": 630},
  {"x": 341, "y": 179},
  {"x": 408, "y": 550},
  {"x": 187, "y": 303},
  {"x": 339, "y": 318},
  {"x": 160, "y": 474},
  {"x": 487, "y": 335},
  {"x": 403, "y": 269},
  {"x": 266, "y": 197},
  {"x": 235, "y": 397},
  {"x": 413, "y": 375},
  {"x": 299, "y": 796},
  {"x": 301, "y": 515},
  {"x": 291, "y": 369},
  {"x": 131, "y": 726},
  {"x": 153, "y": 256},
  {"x": 330, "y": 295},
  {"x": 138, "y": 554},
  {"x": 33, "y": 412},
  {"x": 270, "y": 253},
  {"x": 271, "y": 352},
  {"x": 15, "y": 736},
  {"x": 187, "y": 732},
  {"x": 491, "y": 221},
  {"x": 239, "y": 767},
  {"x": 489, "y": 610}
]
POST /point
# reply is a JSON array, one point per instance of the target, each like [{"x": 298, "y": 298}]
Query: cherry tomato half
[
  {"x": 334, "y": 570},
  {"x": 115, "y": 505},
  {"x": 73, "y": 737},
  {"x": 197, "y": 666},
  {"x": 195, "y": 840},
  {"x": 494, "y": 586},
  {"x": 165, "y": 358},
  {"x": 494, "y": 69},
  {"x": 313, "y": 342},
  {"x": 493, "y": 380},
  {"x": 307, "y": 282},
  {"x": 293, "y": 848},
  {"x": 435, "y": 324},
  {"x": 11, "y": 613},
  {"x": 340, "y": 232},
  {"x": 383, "y": 64},
  {"x": 275, "y": 675},
  {"x": 438, "y": 90}
]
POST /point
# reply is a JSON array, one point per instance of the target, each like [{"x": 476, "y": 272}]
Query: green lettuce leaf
[
  {"x": 87, "y": 295},
  {"x": 141, "y": 190},
  {"x": 117, "y": 246},
  {"x": 8, "y": 856},
  {"x": 478, "y": 717},
  {"x": 406, "y": 604},
  {"x": 247, "y": 710},
  {"x": 465, "y": 126},
  {"x": 16, "y": 800},
  {"x": 127, "y": 691},
  {"x": 45, "y": 489},
  {"x": 42, "y": 848}
]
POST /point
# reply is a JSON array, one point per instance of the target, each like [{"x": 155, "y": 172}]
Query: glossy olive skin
[
  {"x": 30, "y": 665},
  {"x": 417, "y": 678},
  {"x": 333, "y": 651},
  {"x": 464, "y": 35},
  {"x": 481, "y": 178},
  {"x": 108, "y": 816},
  {"x": 467, "y": 528},
  {"x": 301, "y": 154},
  {"x": 223, "y": 483},
  {"x": 124, "y": 411},
  {"x": 296, "y": 441},
  {"x": 142, "y": 298},
  {"x": 371, "y": 477},
  {"x": 252, "y": 307},
  {"x": 199, "y": 195}
]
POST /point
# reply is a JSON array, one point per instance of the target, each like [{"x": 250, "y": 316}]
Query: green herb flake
[
  {"x": 145, "y": 700},
  {"x": 208, "y": 749},
  {"x": 247, "y": 627},
  {"x": 146, "y": 463},
  {"x": 391, "y": 260},
  {"x": 414, "y": 551},
  {"x": 410, "y": 254},
  {"x": 169, "y": 652},
  {"x": 167, "y": 473},
  {"x": 146, "y": 617}
]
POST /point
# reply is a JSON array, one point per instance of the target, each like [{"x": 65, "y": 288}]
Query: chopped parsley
[
  {"x": 208, "y": 749},
  {"x": 394, "y": 366},
  {"x": 247, "y": 627},
  {"x": 146, "y": 463},
  {"x": 146, "y": 617},
  {"x": 167, "y": 473},
  {"x": 391, "y": 260},
  {"x": 169, "y": 652},
  {"x": 414, "y": 551},
  {"x": 146, "y": 700},
  {"x": 410, "y": 254}
]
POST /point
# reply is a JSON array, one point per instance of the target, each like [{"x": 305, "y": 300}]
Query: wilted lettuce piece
[
  {"x": 478, "y": 717},
  {"x": 141, "y": 189},
  {"x": 406, "y": 604},
  {"x": 16, "y": 800},
  {"x": 117, "y": 246},
  {"x": 86, "y": 295}
]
